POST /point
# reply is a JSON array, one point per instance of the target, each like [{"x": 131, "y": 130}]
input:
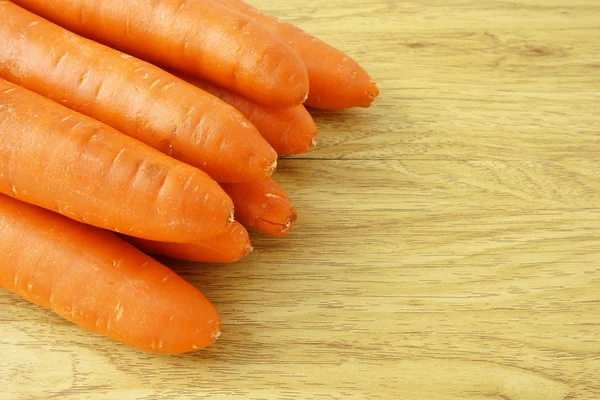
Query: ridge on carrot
[
  {"x": 336, "y": 81},
  {"x": 288, "y": 130},
  {"x": 197, "y": 37},
  {"x": 66, "y": 162},
  {"x": 263, "y": 206},
  {"x": 129, "y": 297},
  {"x": 228, "y": 247},
  {"x": 133, "y": 96}
]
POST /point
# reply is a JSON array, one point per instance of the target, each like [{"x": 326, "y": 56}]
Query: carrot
[
  {"x": 97, "y": 281},
  {"x": 198, "y": 37},
  {"x": 336, "y": 81},
  {"x": 66, "y": 162},
  {"x": 262, "y": 205},
  {"x": 228, "y": 247},
  {"x": 132, "y": 96},
  {"x": 288, "y": 130}
]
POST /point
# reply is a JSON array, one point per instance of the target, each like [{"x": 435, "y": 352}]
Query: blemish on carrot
[
  {"x": 168, "y": 86},
  {"x": 7, "y": 91},
  {"x": 119, "y": 311},
  {"x": 154, "y": 84}
]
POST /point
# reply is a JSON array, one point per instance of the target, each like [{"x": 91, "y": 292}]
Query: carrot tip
[
  {"x": 231, "y": 217},
  {"x": 313, "y": 143},
  {"x": 289, "y": 223},
  {"x": 374, "y": 91},
  {"x": 272, "y": 168},
  {"x": 215, "y": 335},
  {"x": 249, "y": 249}
]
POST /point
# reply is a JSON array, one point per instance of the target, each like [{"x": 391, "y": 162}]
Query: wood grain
[{"x": 448, "y": 245}]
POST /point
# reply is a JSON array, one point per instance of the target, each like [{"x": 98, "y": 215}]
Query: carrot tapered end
[
  {"x": 372, "y": 92},
  {"x": 273, "y": 225}
]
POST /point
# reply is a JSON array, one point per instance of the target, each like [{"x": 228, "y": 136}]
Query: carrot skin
[
  {"x": 132, "y": 96},
  {"x": 229, "y": 247},
  {"x": 197, "y": 37},
  {"x": 288, "y": 130},
  {"x": 263, "y": 206},
  {"x": 336, "y": 81},
  {"x": 66, "y": 162},
  {"x": 97, "y": 281}
]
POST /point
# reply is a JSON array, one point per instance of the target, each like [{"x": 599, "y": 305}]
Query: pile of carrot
[{"x": 132, "y": 128}]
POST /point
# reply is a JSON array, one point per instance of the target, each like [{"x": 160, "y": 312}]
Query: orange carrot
[
  {"x": 262, "y": 205},
  {"x": 97, "y": 281},
  {"x": 336, "y": 81},
  {"x": 58, "y": 159},
  {"x": 288, "y": 130},
  {"x": 229, "y": 247},
  {"x": 132, "y": 96},
  {"x": 197, "y": 37}
]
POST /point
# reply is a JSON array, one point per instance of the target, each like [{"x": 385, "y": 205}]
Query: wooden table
[{"x": 448, "y": 245}]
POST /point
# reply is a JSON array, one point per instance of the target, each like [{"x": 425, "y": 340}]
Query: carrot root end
[
  {"x": 215, "y": 335},
  {"x": 271, "y": 169},
  {"x": 289, "y": 223},
  {"x": 373, "y": 92}
]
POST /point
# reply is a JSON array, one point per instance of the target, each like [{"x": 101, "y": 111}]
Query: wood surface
[{"x": 448, "y": 245}]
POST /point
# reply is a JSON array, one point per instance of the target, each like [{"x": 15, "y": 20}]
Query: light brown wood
[{"x": 448, "y": 245}]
